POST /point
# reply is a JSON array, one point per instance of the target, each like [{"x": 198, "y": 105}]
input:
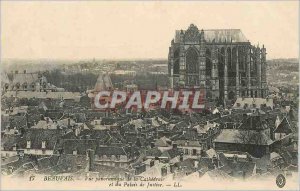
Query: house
[
  {"x": 187, "y": 166},
  {"x": 276, "y": 160},
  {"x": 216, "y": 175},
  {"x": 191, "y": 149},
  {"x": 239, "y": 169},
  {"x": 206, "y": 133},
  {"x": 253, "y": 136},
  {"x": 34, "y": 141},
  {"x": 115, "y": 155},
  {"x": 35, "y": 85},
  {"x": 283, "y": 129},
  {"x": 163, "y": 144},
  {"x": 158, "y": 170},
  {"x": 173, "y": 155},
  {"x": 256, "y": 143}
]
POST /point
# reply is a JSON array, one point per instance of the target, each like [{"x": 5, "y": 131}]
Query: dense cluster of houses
[
  {"x": 46, "y": 136},
  {"x": 251, "y": 139}
]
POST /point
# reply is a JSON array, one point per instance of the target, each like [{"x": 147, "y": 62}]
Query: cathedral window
[
  {"x": 176, "y": 62},
  {"x": 191, "y": 61},
  {"x": 208, "y": 66}
]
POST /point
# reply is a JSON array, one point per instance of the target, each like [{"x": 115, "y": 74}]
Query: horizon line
[{"x": 109, "y": 59}]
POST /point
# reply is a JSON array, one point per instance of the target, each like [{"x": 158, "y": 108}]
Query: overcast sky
[{"x": 137, "y": 30}]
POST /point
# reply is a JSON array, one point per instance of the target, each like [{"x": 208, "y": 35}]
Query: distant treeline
[
  {"x": 80, "y": 82},
  {"x": 143, "y": 81}
]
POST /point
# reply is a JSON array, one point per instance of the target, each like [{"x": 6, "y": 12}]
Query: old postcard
[{"x": 149, "y": 95}]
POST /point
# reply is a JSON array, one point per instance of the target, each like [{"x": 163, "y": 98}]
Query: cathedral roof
[{"x": 219, "y": 35}]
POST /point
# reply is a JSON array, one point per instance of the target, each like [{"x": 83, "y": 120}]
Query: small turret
[
  {"x": 181, "y": 36},
  {"x": 202, "y": 40}
]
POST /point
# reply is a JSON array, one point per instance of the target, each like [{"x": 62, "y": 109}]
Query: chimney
[
  {"x": 75, "y": 152},
  {"x": 15, "y": 147},
  {"x": 196, "y": 163},
  {"x": 20, "y": 153},
  {"x": 244, "y": 116},
  {"x": 43, "y": 144},
  {"x": 172, "y": 168},
  {"x": 235, "y": 158},
  {"x": 202, "y": 153},
  {"x": 151, "y": 163},
  {"x": 28, "y": 146},
  {"x": 164, "y": 171},
  {"x": 69, "y": 122},
  {"x": 16, "y": 72},
  {"x": 187, "y": 143},
  {"x": 152, "y": 145},
  {"x": 127, "y": 176},
  {"x": 91, "y": 159},
  {"x": 244, "y": 174},
  {"x": 181, "y": 157},
  {"x": 174, "y": 146},
  {"x": 77, "y": 131},
  {"x": 22, "y": 132},
  {"x": 24, "y": 71},
  {"x": 272, "y": 133}
]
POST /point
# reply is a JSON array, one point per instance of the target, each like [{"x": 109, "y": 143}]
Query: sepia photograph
[{"x": 149, "y": 95}]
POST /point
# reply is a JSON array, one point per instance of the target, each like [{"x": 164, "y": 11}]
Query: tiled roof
[
  {"x": 172, "y": 153},
  {"x": 70, "y": 163},
  {"x": 211, "y": 153},
  {"x": 219, "y": 35},
  {"x": 217, "y": 175},
  {"x": 237, "y": 168},
  {"x": 186, "y": 143},
  {"x": 79, "y": 145},
  {"x": 283, "y": 127},
  {"x": 47, "y": 162},
  {"x": 163, "y": 142},
  {"x": 188, "y": 164},
  {"x": 153, "y": 152},
  {"x": 18, "y": 163},
  {"x": 36, "y": 136},
  {"x": 18, "y": 122},
  {"x": 253, "y": 122},
  {"x": 244, "y": 137},
  {"x": 8, "y": 141},
  {"x": 112, "y": 150},
  {"x": 206, "y": 163},
  {"x": 108, "y": 171}
]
